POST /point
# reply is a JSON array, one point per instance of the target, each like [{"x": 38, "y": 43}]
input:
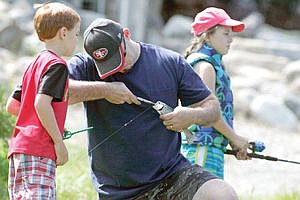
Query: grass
[
  {"x": 293, "y": 196},
  {"x": 73, "y": 179},
  {"x": 74, "y": 182}
]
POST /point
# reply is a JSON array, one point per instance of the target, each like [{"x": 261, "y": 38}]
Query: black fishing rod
[{"x": 259, "y": 147}]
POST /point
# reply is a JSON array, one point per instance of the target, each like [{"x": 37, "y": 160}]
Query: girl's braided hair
[{"x": 198, "y": 41}]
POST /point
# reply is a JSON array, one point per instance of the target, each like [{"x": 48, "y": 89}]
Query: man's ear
[{"x": 126, "y": 32}]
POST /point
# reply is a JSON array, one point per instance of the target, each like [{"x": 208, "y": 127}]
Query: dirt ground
[
  {"x": 262, "y": 177},
  {"x": 249, "y": 178}
]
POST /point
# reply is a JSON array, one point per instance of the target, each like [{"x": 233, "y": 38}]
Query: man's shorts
[
  {"x": 182, "y": 185},
  {"x": 31, "y": 177}
]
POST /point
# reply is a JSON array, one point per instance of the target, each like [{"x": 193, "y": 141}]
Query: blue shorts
[{"x": 209, "y": 157}]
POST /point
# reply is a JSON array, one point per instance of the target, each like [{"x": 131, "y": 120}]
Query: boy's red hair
[{"x": 51, "y": 17}]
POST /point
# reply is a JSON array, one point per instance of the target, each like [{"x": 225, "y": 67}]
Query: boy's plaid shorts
[{"x": 31, "y": 177}]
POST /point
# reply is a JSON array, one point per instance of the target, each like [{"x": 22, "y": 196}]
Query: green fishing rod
[{"x": 69, "y": 134}]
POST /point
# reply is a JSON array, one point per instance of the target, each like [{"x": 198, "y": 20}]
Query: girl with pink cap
[{"x": 212, "y": 29}]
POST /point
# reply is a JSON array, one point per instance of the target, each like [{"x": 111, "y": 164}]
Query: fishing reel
[
  {"x": 162, "y": 108},
  {"x": 257, "y": 146}
]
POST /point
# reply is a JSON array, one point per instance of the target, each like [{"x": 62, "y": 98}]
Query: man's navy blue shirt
[{"x": 129, "y": 148}]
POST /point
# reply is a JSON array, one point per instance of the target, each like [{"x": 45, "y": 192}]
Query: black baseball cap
[{"x": 103, "y": 42}]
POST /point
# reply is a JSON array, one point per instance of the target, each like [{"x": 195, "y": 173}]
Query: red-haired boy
[{"x": 40, "y": 102}]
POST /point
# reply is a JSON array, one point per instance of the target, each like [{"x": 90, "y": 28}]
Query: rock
[
  {"x": 239, "y": 9},
  {"x": 87, "y": 17},
  {"x": 272, "y": 111},
  {"x": 291, "y": 71},
  {"x": 177, "y": 26},
  {"x": 6, "y": 55},
  {"x": 275, "y": 88},
  {"x": 22, "y": 12},
  {"x": 3, "y": 6},
  {"x": 242, "y": 82},
  {"x": 271, "y": 33},
  {"x": 15, "y": 70},
  {"x": 255, "y": 71},
  {"x": 252, "y": 23},
  {"x": 259, "y": 59},
  {"x": 288, "y": 50},
  {"x": 11, "y": 36},
  {"x": 295, "y": 86},
  {"x": 31, "y": 45},
  {"x": 242, "y": 100},
  {"x": 293, "y": 103}
]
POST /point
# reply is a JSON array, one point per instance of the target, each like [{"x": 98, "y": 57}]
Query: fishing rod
[
  {"x": 258, "y": 146},
  {"x": 163, "y": 108},
  {"x": 68, "y": 134},
  {"x": 159, "y": 106}
]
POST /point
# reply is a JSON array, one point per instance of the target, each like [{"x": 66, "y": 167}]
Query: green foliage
[
  {"x": 279, "y": 196},
  {"x": 7, "y": 122},
  {"x": 73, "y": 179}
]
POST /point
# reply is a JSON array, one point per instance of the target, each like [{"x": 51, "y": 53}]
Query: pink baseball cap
[{"x": 212, "y": 16}]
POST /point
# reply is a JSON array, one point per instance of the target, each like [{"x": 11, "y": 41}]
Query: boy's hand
[{"x": 61, "y": 153}]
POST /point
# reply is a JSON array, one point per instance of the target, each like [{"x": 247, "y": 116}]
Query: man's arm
[
  {"x": 204, "y": 113},
  {"x": 14, "y": 101},
  {"x": 114, "y": 92},
  {"x": 13, "y": 106}
]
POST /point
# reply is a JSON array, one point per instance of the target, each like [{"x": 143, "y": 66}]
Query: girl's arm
[{"x": 208, "y": 75}]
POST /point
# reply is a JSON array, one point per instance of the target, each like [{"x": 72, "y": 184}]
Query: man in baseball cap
[
  {"x": 133, "y": 164},
  {"x": 103, "y": 42}
]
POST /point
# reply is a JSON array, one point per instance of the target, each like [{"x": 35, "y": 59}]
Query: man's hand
[
  {"x": 114, "y": 92},
  {"x": 177, "y": 120},
  {"x": 118, "y": 93}
]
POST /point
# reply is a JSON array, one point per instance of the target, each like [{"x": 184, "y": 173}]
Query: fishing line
[
  {"x": 108, "y": 137},
  {"x": 118, "y": 130}
]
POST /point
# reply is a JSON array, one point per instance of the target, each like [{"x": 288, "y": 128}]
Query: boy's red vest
[{"x": 30, "y": 137}]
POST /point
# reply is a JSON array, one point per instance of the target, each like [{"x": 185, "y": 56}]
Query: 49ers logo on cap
[{"x": 100, "y": 54}]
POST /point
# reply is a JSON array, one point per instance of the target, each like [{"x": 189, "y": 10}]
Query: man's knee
[{"x": 215, "y": 189}]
